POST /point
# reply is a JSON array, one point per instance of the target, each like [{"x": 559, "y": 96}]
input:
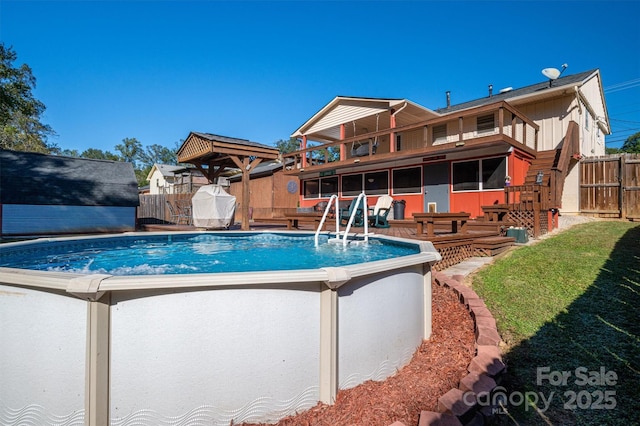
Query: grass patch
[{"x": 565, "y": 303}]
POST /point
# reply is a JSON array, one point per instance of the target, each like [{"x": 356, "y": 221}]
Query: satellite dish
[{"x": 551, "y": 73}]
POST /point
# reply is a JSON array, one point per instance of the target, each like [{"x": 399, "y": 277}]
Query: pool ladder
[{"x": 344, "y": 240}]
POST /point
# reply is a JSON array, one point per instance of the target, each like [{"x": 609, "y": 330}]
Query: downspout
[
  {"x": 392, "y": 135},
  {"x": 578, "y": 98}
]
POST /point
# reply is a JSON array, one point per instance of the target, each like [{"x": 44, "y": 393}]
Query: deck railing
[{"x": 511, "y": 127}]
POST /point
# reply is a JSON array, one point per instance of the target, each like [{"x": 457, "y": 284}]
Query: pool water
[{"x": 194, "y": 254}]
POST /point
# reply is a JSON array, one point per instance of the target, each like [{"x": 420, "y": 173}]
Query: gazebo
[{"x": 212, "y": 154}]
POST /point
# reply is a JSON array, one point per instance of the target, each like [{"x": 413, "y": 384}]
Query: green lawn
[{"x": 567, "y": 308}]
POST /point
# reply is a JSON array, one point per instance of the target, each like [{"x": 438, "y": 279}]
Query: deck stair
[
  {"x": 536, "y": 203},
  {"x": 491, "y": 246}
]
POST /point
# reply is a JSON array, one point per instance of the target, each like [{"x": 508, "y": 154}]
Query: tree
[
  {"x": 632, "y": 144},
  {"x": 288, "y": 146},
  {"x": 157, "y": 154},
  {"x": 98, "y": 154},
  {"x": 20, "y": 111},
  {"x": 153, "y": 154},
  {"x": 130, "y": 150}
]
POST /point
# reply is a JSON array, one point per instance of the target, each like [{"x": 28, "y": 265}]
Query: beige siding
[
  {"x": 413, "y": 139},
  {"x": 593, "y": 140},
  {"x": 553, "y": 117},
  {"x": 570, "y": 194},
  {"x": 344, "y": 114}
]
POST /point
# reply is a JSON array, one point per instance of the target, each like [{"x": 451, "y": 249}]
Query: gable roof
[
  {"x": 543, "y": 89},
  {"x": 40, "y": 179},
  {"x": 215, "y": 150},
  {"x": 324, "y": 126},
  {"x": 170, "y": 170}
]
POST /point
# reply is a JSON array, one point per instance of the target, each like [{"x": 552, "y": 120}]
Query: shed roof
[{"x": 40, "y": 179}]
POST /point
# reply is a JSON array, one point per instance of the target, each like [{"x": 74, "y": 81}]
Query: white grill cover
[{"x": 213, "y": 207}]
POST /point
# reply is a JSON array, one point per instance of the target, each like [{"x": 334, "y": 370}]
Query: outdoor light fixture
[
  {"x": 357, "y": 160},
  {"x": 459, "y": 143}
]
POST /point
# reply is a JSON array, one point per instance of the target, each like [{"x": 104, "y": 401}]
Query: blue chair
[{"x": 359, "y": 218}]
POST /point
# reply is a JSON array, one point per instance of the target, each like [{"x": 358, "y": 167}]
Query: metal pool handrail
[{"x": 324, "y": 217}]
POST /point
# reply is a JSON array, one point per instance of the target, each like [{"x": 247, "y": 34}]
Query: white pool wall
[{"x": 204, "y": 348}]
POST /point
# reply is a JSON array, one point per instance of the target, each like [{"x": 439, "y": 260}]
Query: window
[
  {"x": 407, "y": 181},
  {"x": 328, "y": 187},
  {"x": 440, "y": 133},
  {"x": 466, "y": 174},
  {"x": 485, "y": 123},
  {"x": 376, "y": 183},
  {"x": 493, "y": 172},
  {"x": 351, "y": 185},
  {"x": 311, "y": 188},
  {"x": 398, "y": 143},
  {"x": 586, "y": 120}
]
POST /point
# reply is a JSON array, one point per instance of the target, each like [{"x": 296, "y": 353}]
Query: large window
[
  {"x": 376, "y": 183},
  {"x": 466, "y": 174},
  {"x": 328, "y": 187},
  {"x": 351, "y": 185},
  {"x": 311, "y": 188},
  {"x": 494, "y": 171},
  {"x": 407, "y": 181},
  {"x": 320, "y": 188}
]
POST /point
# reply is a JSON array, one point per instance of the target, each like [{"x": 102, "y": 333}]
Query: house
[
  {"x": 171, "y": 179},
  {"x": 46, "y": 194},
  {"x": 461, "y": 157}
]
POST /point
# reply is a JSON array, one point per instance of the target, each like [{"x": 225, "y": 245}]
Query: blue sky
[{"x": 156, "y": 70}]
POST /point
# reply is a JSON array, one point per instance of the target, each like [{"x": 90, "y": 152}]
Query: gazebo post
[
  {"x": 246, "y": 195},
  {"x": 220, "y": 152}
]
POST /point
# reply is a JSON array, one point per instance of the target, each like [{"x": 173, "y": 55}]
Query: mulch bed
[{"x": 436, "y": 367}]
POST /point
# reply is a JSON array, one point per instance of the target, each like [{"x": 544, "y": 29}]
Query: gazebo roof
[
  {"x": 216, "y": 150},
  {"x": 219, "y": 152}
]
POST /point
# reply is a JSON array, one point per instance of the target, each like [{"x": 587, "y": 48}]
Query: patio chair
[
  {"x": 377, "y": 215},
  {"x": 359, "y": 218},
  {"x": 174, "y": 217},
  {"x": 177, "y": 214}
]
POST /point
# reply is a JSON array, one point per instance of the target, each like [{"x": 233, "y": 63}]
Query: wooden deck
[{"x": 479, "y": 239}]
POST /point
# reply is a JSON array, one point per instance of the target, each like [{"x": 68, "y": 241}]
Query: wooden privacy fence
[
  {"x": 154, "y": 209},
  {"x": 610, "y": 186}
]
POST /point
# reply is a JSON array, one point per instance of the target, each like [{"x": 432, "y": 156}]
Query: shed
[{"x": 47, "y": 194}]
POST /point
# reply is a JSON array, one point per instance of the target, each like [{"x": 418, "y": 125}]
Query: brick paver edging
[{"x": 469, "y": 403}]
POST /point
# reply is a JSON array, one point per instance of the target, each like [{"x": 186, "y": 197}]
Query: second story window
[
  {"x": 440, "y": 133},
  {"x": 486, "y": 123}
]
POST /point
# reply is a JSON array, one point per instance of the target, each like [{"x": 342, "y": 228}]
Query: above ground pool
[
  {"x": 211, "y": 328},
  {"x": 194, "y": 253}
]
